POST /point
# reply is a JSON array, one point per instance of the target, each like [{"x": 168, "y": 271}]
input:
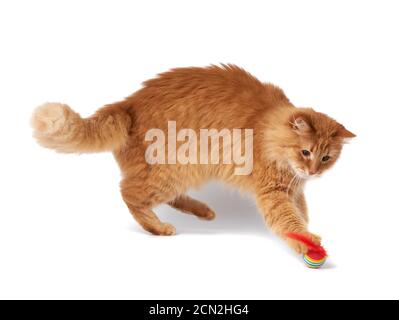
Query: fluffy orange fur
[{"x": 213, "y": 97}]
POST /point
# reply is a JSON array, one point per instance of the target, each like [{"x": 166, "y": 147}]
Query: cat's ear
[
  {"x": 345, "y": 133},
  {"x": 300, "y": 124}
]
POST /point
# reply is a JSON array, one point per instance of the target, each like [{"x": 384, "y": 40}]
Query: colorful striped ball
[{"x": 314, "y": 259}]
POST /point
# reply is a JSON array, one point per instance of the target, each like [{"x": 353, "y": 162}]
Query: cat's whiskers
[
  {"x": 298, "y": 181},
  {"x": 294, "y": 178}
]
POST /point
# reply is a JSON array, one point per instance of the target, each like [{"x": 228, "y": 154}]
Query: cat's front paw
[
  {"x": 301, "y": 248},
  {"x": 316, "y": 239}
]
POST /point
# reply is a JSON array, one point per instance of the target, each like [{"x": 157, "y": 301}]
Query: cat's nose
[{"x": 312, "y": 172}]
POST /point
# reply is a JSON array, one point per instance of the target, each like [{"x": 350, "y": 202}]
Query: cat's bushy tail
[{"x": 57, "y": 126}]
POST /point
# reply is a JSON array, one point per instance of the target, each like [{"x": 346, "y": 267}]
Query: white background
[{"x": 64, "y": 229}]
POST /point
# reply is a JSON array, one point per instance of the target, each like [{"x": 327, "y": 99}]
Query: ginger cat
[{"x": 288, "y": 146}]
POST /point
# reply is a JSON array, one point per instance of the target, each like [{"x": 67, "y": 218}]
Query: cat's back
[
  {"x": 185, "y": 81},
  {"x": 226, "y": 94}
]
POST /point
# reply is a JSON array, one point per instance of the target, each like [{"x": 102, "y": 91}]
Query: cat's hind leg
[
  {"x": 150, "y": 222},
  {"x": 140, "y": 201},
  {"x": 189, "y": 205}
]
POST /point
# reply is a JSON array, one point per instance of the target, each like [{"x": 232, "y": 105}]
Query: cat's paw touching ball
[{"x": 314, "y": 255}]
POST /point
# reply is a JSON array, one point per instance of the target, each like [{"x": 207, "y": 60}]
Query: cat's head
[{"x": 315, "y": 142}]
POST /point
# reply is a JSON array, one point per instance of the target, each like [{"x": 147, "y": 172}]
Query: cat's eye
[
  {"x": 325, "y": 158},
  {"x": 306, "y": 153}
]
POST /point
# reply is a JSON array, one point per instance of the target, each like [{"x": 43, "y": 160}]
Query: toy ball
[
  {"x": 316, "y": 255},
  {"x": 314, "y": 259}
]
